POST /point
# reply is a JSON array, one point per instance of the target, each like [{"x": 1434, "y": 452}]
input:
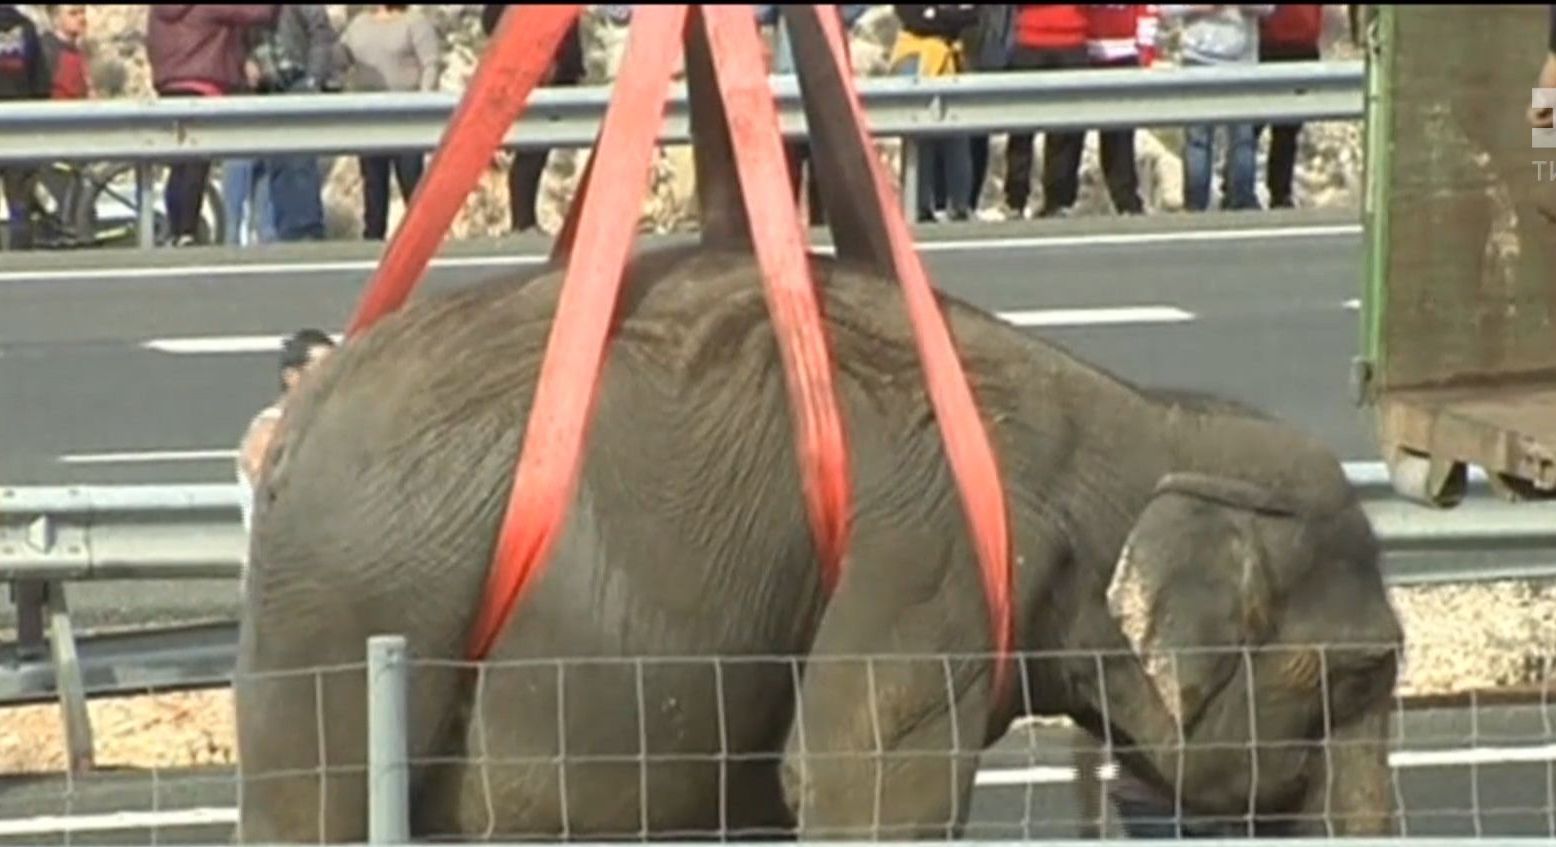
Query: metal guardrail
[
  {"x": 127, "y": 663},
  {"x": 159, "y": 131},
  {"x": 70, "y": 533},
  {"x": 215, "y": 127}
]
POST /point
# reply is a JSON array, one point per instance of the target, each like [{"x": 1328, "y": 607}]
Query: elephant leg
[
  {"x": 302, "y": 736},
  {"x": 1353, "y": 786},
  {"x": 893, "y": 708},
  {"x": 301, "y": 748}
]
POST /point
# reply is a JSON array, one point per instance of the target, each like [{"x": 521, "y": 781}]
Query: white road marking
[
  {"x": 1116, "y": 239},
  {"x": 227, "y": 344},
  {"x": 1370, "y": 472},
  {"x": 134, "y": 457},
  {"x": 259, "y": 268},
  {"x": 1094, "y": 317},
  {"x": 49, "y": 824},
  {"x": 1399, "y": 759},
  {"x": 191, "y": 345},
  {"x": 989, "y": 777},
  {"x": 1353, "y": 304}
]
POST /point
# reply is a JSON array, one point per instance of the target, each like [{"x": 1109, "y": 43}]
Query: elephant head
[{"x": 1262, "y": 621}]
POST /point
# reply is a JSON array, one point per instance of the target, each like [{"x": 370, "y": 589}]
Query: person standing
[
  {"x": 567, "y": 68},
  {"x": 929, "y": 45},
  {"x": 1120, "y": 35},
  {"x": 390, "y": 48},
  {"x": 198, "y": 50},
  {"x": 1049, "y": 36},
  {"x": 296, "y": 56},
  {"x": 1290, "y": 34},
  {"x": 24, "y": 75},
  {"x": 988, "y": 44},
  {"x": 301, "y": 354},
  {"x": 1219, "y": 35},
  {"x": 62, "y": 52}
]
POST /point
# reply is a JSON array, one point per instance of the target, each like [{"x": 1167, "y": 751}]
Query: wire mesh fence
[{"x": 1294, "y": 741}]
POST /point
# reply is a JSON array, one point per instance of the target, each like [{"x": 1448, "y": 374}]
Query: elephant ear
[
  {"x": 1236, "y": 493},
  {"x": 1193, "y": 574}
]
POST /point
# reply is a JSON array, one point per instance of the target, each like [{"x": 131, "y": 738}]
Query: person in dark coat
[
  {"x": 567, "y": 68},
  {"x": 23, "y": 76},
  {"x": 198, "y": 50}
]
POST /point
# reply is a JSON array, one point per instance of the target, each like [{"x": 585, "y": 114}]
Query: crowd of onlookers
[
  {"x": 222, "y": 50},
  {"x": 940, "y": 40}
]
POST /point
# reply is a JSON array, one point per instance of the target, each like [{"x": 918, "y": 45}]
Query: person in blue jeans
[
  {"x": 1221, "y": 35},
  {"x": 246, "y": 203},
  {"x": 298, "y": 59},
  {"x": 928, "y": 44}
]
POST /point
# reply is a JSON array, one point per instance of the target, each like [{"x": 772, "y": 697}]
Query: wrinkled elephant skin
[{"x": 688, "y": 538}]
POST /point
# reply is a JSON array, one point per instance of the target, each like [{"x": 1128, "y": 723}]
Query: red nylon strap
[
  {"x": 791, "y": 297},
  {"x": 517, "y": 56},
  {"x": 968, "y": 449},
  {"x": 552, "y": 453}
]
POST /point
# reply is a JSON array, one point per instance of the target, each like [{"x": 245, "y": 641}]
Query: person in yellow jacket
[{"x": 928, "y": 44}]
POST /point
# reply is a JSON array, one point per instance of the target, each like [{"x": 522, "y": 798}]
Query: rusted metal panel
[
  {"x": 1463, "y": 344},
  {"x": 1472, "y": 240}
]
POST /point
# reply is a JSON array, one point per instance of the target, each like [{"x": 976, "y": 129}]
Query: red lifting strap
[
  {"x": 597, "y": 237},
  {"x": 779, "y": 240},
  {"x": 551, "y": 457},
  {"x": 520, "y": 52},
  {"x": 968, "y": 449}
]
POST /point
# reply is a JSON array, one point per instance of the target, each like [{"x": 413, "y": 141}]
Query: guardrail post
[
  {"x": 909, "y": 179},
  {"x": 69, "y": 682},
  {"x": 388, "y": 771},
  {"x": 28, "y": 595},
  {"x": 146, "y": 206}
]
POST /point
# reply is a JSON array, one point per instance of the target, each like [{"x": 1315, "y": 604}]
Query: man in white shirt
[{"x": 300, "y": 354}]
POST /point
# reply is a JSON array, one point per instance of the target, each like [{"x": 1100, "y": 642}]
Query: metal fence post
[
  {"x": 145, "y": 206},
  {"x": 910, "y": 186},
  {"x": 388, "y": 772}
]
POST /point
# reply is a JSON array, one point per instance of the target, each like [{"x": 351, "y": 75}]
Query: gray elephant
[{"x": 1137, "y": 522}]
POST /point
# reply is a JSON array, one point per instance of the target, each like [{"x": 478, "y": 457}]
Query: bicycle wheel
[{"x": 110, "y": 213}]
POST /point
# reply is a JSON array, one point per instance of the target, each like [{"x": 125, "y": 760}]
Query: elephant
[{"x": 679, "y": 669}]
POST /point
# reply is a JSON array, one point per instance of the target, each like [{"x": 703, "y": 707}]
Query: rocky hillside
[{"x": 1328, "y": 172}]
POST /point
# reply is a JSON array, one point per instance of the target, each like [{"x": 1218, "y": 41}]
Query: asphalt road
[
  {"x": 1027, "y": 788},
  {"x": 128, "y": 368}
]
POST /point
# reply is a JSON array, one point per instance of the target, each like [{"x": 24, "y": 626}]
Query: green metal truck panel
[{"x": 1460, "y": 218}]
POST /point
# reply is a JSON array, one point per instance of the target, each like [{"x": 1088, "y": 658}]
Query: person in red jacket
[
  {"x": 1121, "y": 35},
  {"x": 1049, "y": 36},
  {"x": 198, "y": 51},
  {"x": 1289, "y": 35},
  {"x": 62, "y": 51}
]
